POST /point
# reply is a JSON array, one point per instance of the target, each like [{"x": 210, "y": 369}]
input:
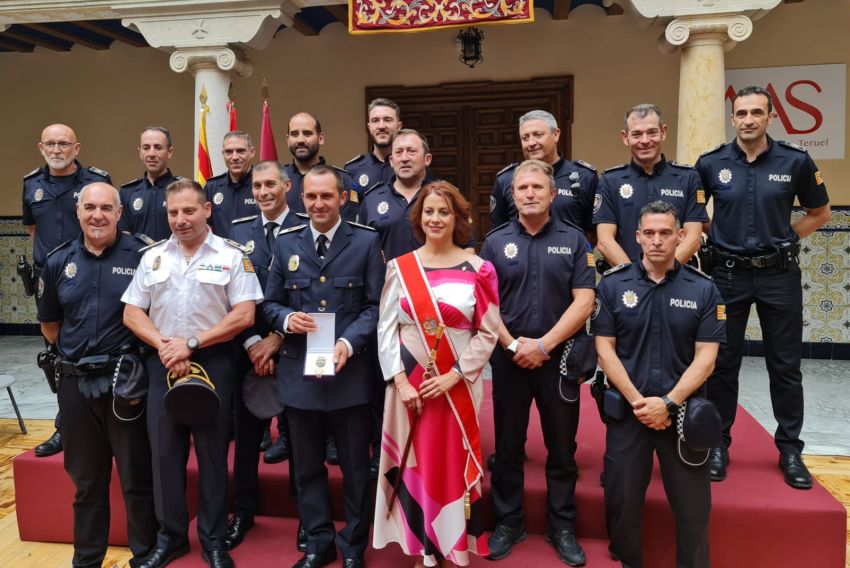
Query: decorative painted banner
[
  {"x": 375, "y": 16},
  {"x": 809, "y": 104}
]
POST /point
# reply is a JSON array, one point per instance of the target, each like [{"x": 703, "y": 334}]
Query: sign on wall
[{"x": 808, "y": 104}]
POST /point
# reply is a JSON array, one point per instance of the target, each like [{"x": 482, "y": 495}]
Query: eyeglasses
[{"x": 62, "y": 145}]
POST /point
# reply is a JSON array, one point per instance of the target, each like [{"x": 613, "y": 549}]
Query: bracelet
[
  {"x": 398, "y": 387},
  {"x": 540, "y": 346}
]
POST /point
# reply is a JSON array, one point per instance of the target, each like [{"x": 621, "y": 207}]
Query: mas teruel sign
[{"x": 808, "y": 104}]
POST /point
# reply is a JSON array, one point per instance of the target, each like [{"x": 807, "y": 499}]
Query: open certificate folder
[{"x": 319, "y": 363}]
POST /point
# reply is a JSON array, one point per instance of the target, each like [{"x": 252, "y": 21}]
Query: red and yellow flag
[{"x": 204, "y": 171}]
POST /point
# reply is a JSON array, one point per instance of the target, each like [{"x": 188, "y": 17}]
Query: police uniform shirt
[
  {"x": 625, "y": 189},
  {"x": 657, "y": 325},
  {"x": 50, "y": 203},
  {"x": 388, "y": 212},
  {"x": 144, "y": 206},
  {"x": 367, "y": 169},
  {"x": 296, "y": 202},
  {"x": 753, "y": 200},
  {"x": 229, "y": 201},
  {"x": 183, "y": 298},
  {"x": 575, "y": 184},
  {"x": 537, "y": 273},
  {"x": 83, "y": 291}
]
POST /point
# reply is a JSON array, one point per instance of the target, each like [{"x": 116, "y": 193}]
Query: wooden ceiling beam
[
  {"x": 59, "y": 34},
  {"x": 26, "y": 38},
  {"x": 111, "y": 34}
]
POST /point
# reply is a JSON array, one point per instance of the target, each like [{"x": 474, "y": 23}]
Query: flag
[
  {"x": 268, "y": 150},
  {"x": 204, "y": 166},
  {"x": 231, "y": 111}
]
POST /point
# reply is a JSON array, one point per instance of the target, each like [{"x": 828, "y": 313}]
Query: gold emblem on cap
[
  {"x": 294, "y": 261},
  {"x": 156, "y": 262},
  {"x": 71, "y": 269}
]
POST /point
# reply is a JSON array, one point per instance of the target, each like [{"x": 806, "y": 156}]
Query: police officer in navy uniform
[
  {"x": 384, "y": 120},
  {"x": 330, "y": 266},
  {"x": 625, "y": 189},
  {"x": 575, "y": 181},
  {"x": 753, "y": 182},
  {"x": 305, "y": 138},
  {"x": 191, "y": 294},
  {"x": 546, "y": 283},
  {"x": 49, "y": 211},
  {"x": 143, "y": 198},
  {"x": 85, "y": 277},
  {"x": 230, "y": 193},
  {"x": 657, "y": 326},
  {"x": 257, "y": 233}
]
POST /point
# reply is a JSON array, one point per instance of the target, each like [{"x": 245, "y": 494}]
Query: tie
[
  {"x": 270, "y": 227},
  {"x": 321, "y": 246}
]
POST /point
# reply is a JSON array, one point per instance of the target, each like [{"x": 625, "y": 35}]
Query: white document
[{"x": 319, "y": 364}]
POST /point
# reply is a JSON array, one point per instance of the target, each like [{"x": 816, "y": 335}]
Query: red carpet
[{"x": 757, "y": 520}]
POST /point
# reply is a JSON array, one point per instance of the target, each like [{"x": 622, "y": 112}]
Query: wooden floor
[{"x": 832, "y": 472}]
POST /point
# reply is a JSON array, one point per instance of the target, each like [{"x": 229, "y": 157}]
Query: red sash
[{"x": 427, "y": 316}]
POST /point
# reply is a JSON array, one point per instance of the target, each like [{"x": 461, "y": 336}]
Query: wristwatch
[
  {"x": 512, "y": 347},
  {"x": 672, "y": 407},
  {"x": 193, "y": 344}
]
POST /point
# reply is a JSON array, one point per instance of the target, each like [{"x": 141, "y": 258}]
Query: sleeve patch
[
  {"x": 590, "y": 262},
  {"x": 701, "y": 196},
  {"x": 246, "y": 264},
  {"x": 721, "y": 312},
  {"x": 818, "y": 178}
]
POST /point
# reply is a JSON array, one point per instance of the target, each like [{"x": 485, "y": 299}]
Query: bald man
[{"x": 49, "y": 210}]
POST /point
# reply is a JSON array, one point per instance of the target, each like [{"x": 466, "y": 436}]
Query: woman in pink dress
[{"x": 439, "y": 290}]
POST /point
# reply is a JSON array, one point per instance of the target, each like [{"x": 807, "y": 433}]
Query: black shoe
[
  {"x": 217, "y": 559},
  {"x": 267, "y": 440},
  {"x": 491, "y": 460},
  {"x": 161, "y": 556},
  {"x": 311, "y": 560},
  {"x": 796, "y": 473},
  {"x": 356, "y": 562},
  {"x": 718, "y": 460},
  {"x": 301, "y": 539},
  {"x": 237, "y": 528},
  {"x": 331, "y": 455},
  {"x": 49, "y": 447},
  {"x": 503, "y": 538},
  {"x": 278, "y": 452},
  {"x": 564, "y": 541}
]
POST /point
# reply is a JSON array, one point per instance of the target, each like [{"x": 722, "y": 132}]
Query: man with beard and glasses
[
  {"x": 305, "y": 138},
  {"x": 143, "y": 199},
  {"x": 384, "y": 120},
  {"x": 49, "y": 211},
  {"x": 230, "y": 193}
]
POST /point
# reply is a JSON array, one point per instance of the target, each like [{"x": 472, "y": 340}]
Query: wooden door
[{"x": 473, "y": 128}]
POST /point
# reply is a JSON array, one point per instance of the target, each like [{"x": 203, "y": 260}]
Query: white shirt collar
[
  {"x": 329, "y": 234},
  {"x": 279, "y": 219}
]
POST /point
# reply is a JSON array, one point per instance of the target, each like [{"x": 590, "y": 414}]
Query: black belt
[
  {"x": 82, "y": 368},
  {"x": 735, "y": 261}
]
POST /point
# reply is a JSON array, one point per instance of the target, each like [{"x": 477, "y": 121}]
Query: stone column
[
  {"x": 702, "y": 115},
  {"x": 211, "y": 67}
]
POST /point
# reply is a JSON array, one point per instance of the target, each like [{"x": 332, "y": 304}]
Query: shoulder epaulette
[
  {"x": 491, "y": 231},
  {"x": 354, "y": 159},
  {"x": 98, "y": 171},
  {"x": 60, "y": 246},
  {"x": 681, "y": 165},
  {"x": 144, "y": 238},
  {"x": 353, "y": 224},
  {"x": 371, "y": 187},
  {"x": 617, "y": 167},
  {"x": 290, "y": 229},
  {"x": 617, "y": 268},
  {"x": 586, "y": 165},
  {"x": 32, "y": 173},
  {"x": 304, "y": 215},
  {"x": 152, "y": 245},
  {"x": 178, "y": 177},
  {"x": 713, "y": 150},
  {"x": 134, "y": 182},
  {"x": 236, "y": 245},
  {"x": 697, "y": 270},
  {"x": 507, "y": 168},
  {"x": 792, "y": 145},
  {"x": 341, "y": 170},
  {"x": 219, "y": 176},
  {"x": 243, "y": 219}
]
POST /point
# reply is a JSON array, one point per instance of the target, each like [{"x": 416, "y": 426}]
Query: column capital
[
  {"x": 223, "y": 57},
  {"x": 718, "y": 29}
]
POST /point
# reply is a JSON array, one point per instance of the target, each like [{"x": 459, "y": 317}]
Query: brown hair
[{"x": 458, "y": 205}]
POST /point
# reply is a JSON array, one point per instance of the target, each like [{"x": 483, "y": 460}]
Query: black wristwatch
[
  {"x": 193, "y": 344},
  {"x": 672, "y": 407}
]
